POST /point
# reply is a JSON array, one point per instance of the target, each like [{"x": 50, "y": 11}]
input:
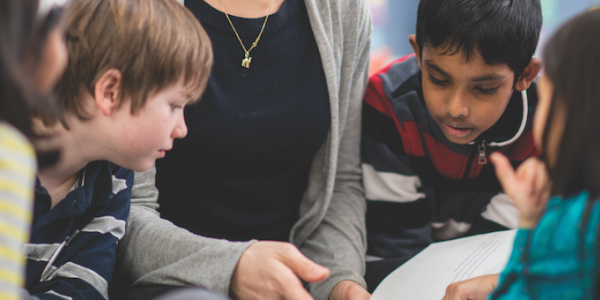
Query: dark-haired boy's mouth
[{"x": 457, "y": 131}]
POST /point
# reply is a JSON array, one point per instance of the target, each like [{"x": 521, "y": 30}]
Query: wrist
[{"x": 527, "y": 224}]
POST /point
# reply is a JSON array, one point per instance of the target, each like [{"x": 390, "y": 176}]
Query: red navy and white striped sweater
[{"x": 420, "y": 187}]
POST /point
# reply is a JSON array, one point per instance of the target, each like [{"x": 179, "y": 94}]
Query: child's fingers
[
  {"x": 504, "y": 170},
  {"x": 542, "y": 183}
]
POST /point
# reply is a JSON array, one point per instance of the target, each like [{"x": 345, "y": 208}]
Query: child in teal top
[
  {"x": 556, "y": 260},
  {"x": 555, "y": 253}
]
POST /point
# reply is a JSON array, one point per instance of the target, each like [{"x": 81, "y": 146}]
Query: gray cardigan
[{"x": 331, "y": 228}]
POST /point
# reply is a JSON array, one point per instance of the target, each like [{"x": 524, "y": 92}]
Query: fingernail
[{"x": 318, "y": 271}]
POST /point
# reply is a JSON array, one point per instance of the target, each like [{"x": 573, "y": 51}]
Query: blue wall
[{"x": 394, "y": 20}]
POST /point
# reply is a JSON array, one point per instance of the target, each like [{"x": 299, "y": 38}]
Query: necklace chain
[{"x": 247, "y": 59}]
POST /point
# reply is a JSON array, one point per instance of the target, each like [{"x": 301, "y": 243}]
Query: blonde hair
[{"x": 153, "y": 43}]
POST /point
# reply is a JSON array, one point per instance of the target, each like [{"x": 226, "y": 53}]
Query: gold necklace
[{"x": 247, "y": 59}]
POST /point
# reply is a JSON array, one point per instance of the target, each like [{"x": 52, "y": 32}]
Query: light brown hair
[{"x": 153, "y": 43}]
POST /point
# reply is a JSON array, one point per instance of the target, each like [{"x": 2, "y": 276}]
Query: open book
[{"x": 426, "y": 276}]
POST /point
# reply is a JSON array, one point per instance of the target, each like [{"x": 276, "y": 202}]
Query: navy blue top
[
  {"x": 242, "y": 170},
  {"x": 73, "y": 245}
]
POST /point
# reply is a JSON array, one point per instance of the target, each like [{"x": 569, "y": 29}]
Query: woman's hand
[
  {"x": 349, "y": 290},
  {"x": 478, "y": 288},
  {"x": 528, "y": 187},
  {"x": 270, "y": 270}
]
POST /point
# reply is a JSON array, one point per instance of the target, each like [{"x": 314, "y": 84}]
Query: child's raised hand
[{"x": 528, "y": 187}]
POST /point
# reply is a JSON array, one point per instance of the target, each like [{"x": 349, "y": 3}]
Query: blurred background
[{"x": 395, "y": 20}]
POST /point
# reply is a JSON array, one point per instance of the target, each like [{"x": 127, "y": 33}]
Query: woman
[{"x": 272, "y": 154}]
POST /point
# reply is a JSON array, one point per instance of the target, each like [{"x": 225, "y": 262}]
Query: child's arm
[
  {"x": 478, "y": 288},
  {"x": 17, "y": 165},
  {"x": 85, "y": 264},
  {"x": 398, "y": 208}
]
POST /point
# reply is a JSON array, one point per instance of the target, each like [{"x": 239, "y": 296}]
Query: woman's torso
[{"x": 243, "y": 168}]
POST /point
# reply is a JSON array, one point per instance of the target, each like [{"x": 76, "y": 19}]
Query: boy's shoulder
[
  {"x": 107, "y": 179},
  {"x": 400, "y": 77},
  {"x": 396, "y": 92}
]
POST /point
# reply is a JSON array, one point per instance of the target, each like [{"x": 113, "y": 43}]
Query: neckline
[{"x": 246, "y": 27}]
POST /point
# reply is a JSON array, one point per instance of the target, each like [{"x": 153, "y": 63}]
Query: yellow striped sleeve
[{"x": 17, "y": 175}]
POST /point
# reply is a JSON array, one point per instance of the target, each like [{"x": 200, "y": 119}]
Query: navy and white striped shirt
[{"x": 73, "y": 245}]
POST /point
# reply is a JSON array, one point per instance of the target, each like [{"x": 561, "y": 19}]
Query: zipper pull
[{"x": 482, "y": 158}]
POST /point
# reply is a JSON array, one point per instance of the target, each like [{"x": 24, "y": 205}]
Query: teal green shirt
[{"x": 556, "y": 260}]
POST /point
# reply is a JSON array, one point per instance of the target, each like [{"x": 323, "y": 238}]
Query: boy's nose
[
  {"x": 457, "y": 106},
  {"x": 180, "y": 130}
]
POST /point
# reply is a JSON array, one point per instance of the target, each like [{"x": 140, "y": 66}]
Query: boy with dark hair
[
  {"x": 430, "y": 122},
  {"x": 133, "y": 66}
]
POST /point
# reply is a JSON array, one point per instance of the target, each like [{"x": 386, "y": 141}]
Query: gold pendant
[{"x": 246, "y": 61}]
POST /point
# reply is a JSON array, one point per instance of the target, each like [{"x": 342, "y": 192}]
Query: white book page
[{"x": 426, "y": 276}]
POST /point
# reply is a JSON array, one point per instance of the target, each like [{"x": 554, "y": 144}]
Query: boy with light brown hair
[{"x": 133, "y": 66}]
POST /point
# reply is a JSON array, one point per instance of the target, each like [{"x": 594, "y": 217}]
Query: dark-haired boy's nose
[{"x": 457, "y": 106}]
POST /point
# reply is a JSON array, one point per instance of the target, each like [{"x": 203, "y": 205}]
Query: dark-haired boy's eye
[
  {"x": 487, "y": 91},
  {"x": 437, "y": 81}
]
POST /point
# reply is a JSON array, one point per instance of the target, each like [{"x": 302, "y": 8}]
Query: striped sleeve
[
  {"x": 398, "y": 209},
  {"x": 17, "y": 173}
]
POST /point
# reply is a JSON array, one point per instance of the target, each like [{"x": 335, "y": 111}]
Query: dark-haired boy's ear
[
  {"x": 106, "y": 91},
  {"x": 529, "y": 74},
  {"x": 412, "y": 39}
]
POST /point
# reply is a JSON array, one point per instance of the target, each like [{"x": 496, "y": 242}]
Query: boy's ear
[
  {"x": 412, "y": 39},
  {"x": 529, "y": 74},
  {"x": 106, "y": 91}
]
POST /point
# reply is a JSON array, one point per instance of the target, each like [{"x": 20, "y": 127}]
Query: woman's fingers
[
  {"x": 292, "y": 288},
  {"x": 270, "y": 270},
  {"x": 301, "y": 265}
]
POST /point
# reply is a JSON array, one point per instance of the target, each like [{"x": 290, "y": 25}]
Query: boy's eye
[
  {"x": 487, "y": 91},
  {"x": 176, "y": 106},
  {"x": 437, "y": 81}
]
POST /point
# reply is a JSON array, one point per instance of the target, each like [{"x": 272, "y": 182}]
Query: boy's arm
[
  {"x": 155, "y": 251},
  {"x": 399, "y": 210},
  {"x": 499, "y": 214},
  {"x": 466, "y": 211},
  {"x": 85, "y": 264}
]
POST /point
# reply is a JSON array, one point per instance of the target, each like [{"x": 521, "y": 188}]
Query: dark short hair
[
  {"x": 572, "y": 64},
  {"x": 503, "y": 31},
  {"x": 21, "y": 38}
]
